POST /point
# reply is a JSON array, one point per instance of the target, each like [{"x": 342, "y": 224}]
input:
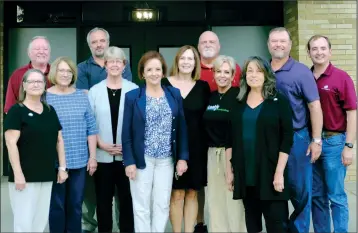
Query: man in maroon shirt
[
  {"x": 339, "y": 105},
  {"x": 39, "y": 52},
  {"x": 209, "y": 49}
]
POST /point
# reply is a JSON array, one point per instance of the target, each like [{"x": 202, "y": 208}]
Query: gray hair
[
  {"x": 220, "y": 60},
  {"x": 114, "y": 52},
  {"x": 36, "y": 38},
  {"x": 95, "y": 30},
  {"x": 22, "y": 92},
  {"x": 280, "y": 29}
]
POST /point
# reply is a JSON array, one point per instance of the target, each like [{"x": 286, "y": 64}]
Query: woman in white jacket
[{"x": 107, "y": 101}]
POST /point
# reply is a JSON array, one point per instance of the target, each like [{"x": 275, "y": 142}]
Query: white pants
[
  {"x": 225, "y": 213},
  {"x": 31, "y": 206},
  {"x": 152, "y": 183}
]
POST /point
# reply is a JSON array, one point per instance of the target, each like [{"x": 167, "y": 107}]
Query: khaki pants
[
  {"x": 31, "y": 206},
  {"x": 225, "y": 214}
]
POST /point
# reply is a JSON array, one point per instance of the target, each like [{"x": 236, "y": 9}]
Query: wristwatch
[
  {"x": 63, "y": 169},
  {"x": 349, "y": 145},
  {"x": 317, "y": 140}
]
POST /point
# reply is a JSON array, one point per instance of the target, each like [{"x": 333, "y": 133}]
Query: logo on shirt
[
  {"x": 326, "y": 88},
  {"x": 216, "y": 108}
]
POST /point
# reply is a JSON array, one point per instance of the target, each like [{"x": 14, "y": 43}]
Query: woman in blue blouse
[
  {"x": 79, "y": 135},
  {"x": 154, "y": 139}
]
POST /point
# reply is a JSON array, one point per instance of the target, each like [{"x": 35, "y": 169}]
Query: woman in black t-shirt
[
  {"x": 225, "y": 214},
  {"x": 34, "y": 142}
]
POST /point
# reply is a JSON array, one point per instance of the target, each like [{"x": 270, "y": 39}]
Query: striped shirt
[{"x": 78, "y": 122}]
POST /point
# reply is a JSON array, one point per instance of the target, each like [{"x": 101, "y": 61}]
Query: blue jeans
[
  {"x": 300, "y": 182},
  {"x": 328, "y": 186},
  {"x": 66, "y": 203}
]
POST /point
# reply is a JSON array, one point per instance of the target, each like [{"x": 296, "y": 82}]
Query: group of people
[{"x": 82, "y": 138}]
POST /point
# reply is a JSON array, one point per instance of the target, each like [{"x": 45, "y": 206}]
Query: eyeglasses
[
  {"x": 32, "y": 82},
  {"x": 62, "y": 71},
  {"x": 112, "y": 62}
]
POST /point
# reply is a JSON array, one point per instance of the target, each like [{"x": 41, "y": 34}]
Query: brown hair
[
  {"x": 54, "y": 67},
  {"x": 316, "y": 37},
  {"x": 149, "y": 56},
  {"x": 195, "y": 74},
  {"x": 280, "y": 29}
]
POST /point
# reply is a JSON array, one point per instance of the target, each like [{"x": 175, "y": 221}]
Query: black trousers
[
  {"x": 108, "y": 177},
  {"x": 275, "y": 213}
]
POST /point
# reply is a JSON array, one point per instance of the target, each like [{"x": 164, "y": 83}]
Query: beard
[{"x": 209, "y": 53}]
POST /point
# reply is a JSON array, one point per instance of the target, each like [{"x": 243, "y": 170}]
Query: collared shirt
[
  {"x": 13, "y": 87},
  {"x": 90, "y": 73},
  {"x": 296, "y": 82},
  {"x": 207, "y": 74},
  {"x": 337, "y": 95},
  {"x": 78, "y": 122}
]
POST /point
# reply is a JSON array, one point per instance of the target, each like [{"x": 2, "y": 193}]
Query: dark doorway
[{"x": 142, "y": 38}]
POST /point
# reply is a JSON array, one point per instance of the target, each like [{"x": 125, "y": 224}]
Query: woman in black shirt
[
  {"x": 107, "y": 100},
  {"x": 185, "y": 75},
  {"x": 34, "y": 142},
  {"x": 225, "y": 214},
  {"x": 258, "y": 143}
]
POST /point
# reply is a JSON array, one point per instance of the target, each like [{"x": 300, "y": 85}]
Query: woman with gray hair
[
  {"x": 225, "y": 214},
  {"x": 33, "y": 136},
  {"x": 107, "y": 99},
  {"x": 259, "y": 140}
]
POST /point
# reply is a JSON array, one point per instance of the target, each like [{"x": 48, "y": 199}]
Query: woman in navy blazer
[{"x": 154, "y": 138}]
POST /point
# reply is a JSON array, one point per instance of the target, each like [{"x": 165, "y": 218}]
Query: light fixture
[{"x": 144, "y": 15}]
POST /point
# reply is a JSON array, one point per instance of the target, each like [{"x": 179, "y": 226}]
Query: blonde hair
[
  {"x": 195, "y": 74},
  {"x": 22, "y": 92},
  {"x": 220, "y": 60},
  {"x": 114, "y": 52},
  {"x": 54, "y": 66}
]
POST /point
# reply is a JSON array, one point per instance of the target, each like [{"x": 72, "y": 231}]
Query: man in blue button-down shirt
[{"x": 91, "y": 72}]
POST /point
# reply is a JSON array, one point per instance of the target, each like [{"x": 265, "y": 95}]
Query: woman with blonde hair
[
  {"x": 225, "y": 214},
  {"x": 33, "y": 136},
  {"x": 185, "y": 75},
  {"x": 107, "y": 99},
  {"x": 79, "y": 135}
]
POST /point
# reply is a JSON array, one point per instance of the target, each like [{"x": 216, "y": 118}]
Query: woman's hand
[
  {"x": 230, "y": 179},
  {"x": 131, "y": 171},
  {"x": 91, "y": 166},
  {"x": 20, "y": 182},
  {"x": 112, "y": 149},
  {"x": 181, "y": 167},
  {"x": 278, "y": 182},
  {"x": 61, "y": 176}
]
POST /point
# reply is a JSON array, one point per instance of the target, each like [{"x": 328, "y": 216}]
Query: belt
[{"x": 327, "y": 134}]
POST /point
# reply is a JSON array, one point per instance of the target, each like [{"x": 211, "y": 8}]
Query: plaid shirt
[{"x": 78, "y": 122}]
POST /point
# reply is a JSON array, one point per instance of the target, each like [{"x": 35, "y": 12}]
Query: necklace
[
  {"x": 113, "y": 92},
  {"x": 221, "y": 95}
]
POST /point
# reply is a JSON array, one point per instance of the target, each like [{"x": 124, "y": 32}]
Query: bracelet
[{"x": 93, "y": 158}]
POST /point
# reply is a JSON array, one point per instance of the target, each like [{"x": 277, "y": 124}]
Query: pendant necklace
[{"x": 113, "y": 93}]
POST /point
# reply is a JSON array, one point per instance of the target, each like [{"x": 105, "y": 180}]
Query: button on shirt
[
  {"x": 297, "y": 83},
  {"x": 90, "y": 73},
  {"x": 337, "y": 95}
]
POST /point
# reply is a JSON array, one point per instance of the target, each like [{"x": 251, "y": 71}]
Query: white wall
[
  {"x": 241, "y": 42},
  {"x": 63, "y": 43}
]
